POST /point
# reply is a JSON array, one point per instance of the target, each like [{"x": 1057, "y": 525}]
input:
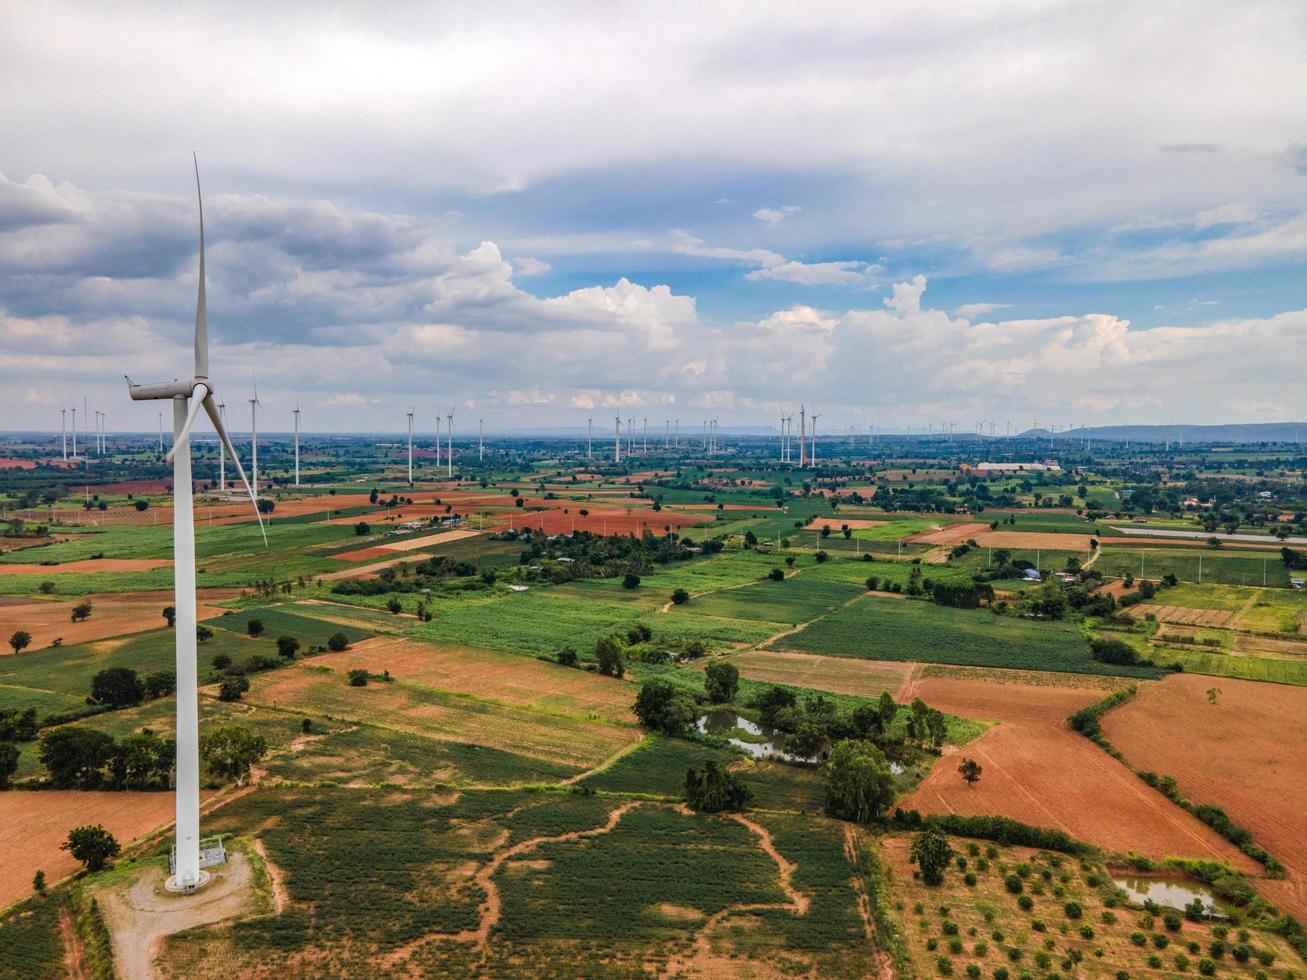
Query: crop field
[
  {"x": 555, "y": 738},
  {"x": 791, "y": 602},
  {"x": 33, "y": 941},
  {"x": 281, "y": 621},
  {"x": 1035, "y": 769},
  {"x": 876, "y": 628},
  {"x": 407, "y": 882},
  {"x": 1074, "y": 921},
  {"x": 1245, "y": 753},
  {"x": 1219, "y": 566},
  {"x": 112, "y": 615},
  {"x": 1274, "y": 670},
  {"x": 843, "y": 674}
]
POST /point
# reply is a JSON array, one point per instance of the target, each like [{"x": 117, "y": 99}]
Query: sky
[{"x": 894, "y": 213}]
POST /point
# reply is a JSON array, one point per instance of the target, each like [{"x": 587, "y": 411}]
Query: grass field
[
  {"x": 281, "y": 621},
  {"x": 1227, "y": 665},
  {"x": 1219, "y": 566},
  {"x": 901, "y": 629}
]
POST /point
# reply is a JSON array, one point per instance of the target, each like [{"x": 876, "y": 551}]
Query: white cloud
[
  {"x": 980, "y": 309},
  {"x": 814, "y": 273},
  {"x": 774, "y": 216},
  {"x": 531, "y": 267},
  {"x": 907, "y": 295}
]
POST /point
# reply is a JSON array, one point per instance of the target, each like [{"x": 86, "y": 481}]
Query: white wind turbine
[
  {"x": 75, "y": 431},
  {"x": 481, "y": 440},
  {"x": 617, "y": 442},
  {"x": 297, "y": 441},
  {"x": 410, "y": 446},
  {"x": 187, "y": 397},
  {"x": 449, "y": 439},
  {"x": 589, "y": 438},
  {"x": 161, "y": 432},
  {"x": 222, "y": 450},
  {"x": 254, "y": 438},
  {"x": 63, "y": 430}
]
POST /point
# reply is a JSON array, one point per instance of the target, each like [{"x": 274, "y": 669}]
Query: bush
[
  {"x": 776, "y": 575},
  {"x": 362, "y": 529},
  {"x": 337, "y": 642},
  {"x": 1072, "y": 910},
  {"x": 630, "y": 581},
  {"x": 1110, "y": 650},
  {"x": 358, "y": 677},
  {"x": 1014, "y": 884},
  {"x": 232, "y": 688},
  {"x": 254, "y": 627},
  {"x": 680, "y": 597},
  {"x": 567, "y": 657},
  {"x": 1025, "y": 903}
]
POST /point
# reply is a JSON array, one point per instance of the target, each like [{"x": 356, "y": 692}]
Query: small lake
[
  {"x": 1173, "y": 892},
  {"x": 763, "y": 742}
]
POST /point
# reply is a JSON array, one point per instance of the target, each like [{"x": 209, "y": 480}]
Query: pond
[
  {"x": 1168, "y": 891},
  {"x": 760, "y": 741}
]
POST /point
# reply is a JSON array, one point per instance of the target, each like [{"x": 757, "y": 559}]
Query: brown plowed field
[
  {"x": 502, "y": 676},
  {"x": 112, "y": 614},
  {"x": 1247, "y": 754},
  {"x": 11, "y": 463},
  {"x": 1039, "y": 771},
  {"x": 844, "y": 675},
  {"x": 33, "y": 823},
  {"x": 599, "y": 520},
  {"x": 88, "y": 565},
  {"x": 1183, "y": 614},
  {"x": 853, "y": 523},
  {"x": 1032, "y": 539},
  {"x": 362, "y": 570},
  {"x": 949, "y": 534}
]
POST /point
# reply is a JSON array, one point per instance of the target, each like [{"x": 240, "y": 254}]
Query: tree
[
  {"x": 859, "y": 784},
  {"x": 1110, "y": 650},
  {"x": 221, "y": 661},
  {"x": 170, "y": 615},
  {"x": 46, "y": 587},
  {"x": 8, "y": 763},
  {"x": 76, "y": 757},
  {"x": 231, "y": 751},
  {"x": 203, "y": 633},
  {"x": 776, "y": 575},
  {"x": 808, "y": 739},
  {"x": 821, "y": 556},
  {"x": 567, "y": 657},
  {"x": 680, "y": 597},
  {"x": 93, "y": 846},
  {"x": 394, "y": 605},
  {"x": 362, "y": 529},
  {"x": 1212, "y": 694},
  {"x": 232, "y": 688},
  {"x": 715, "y": 789},
  {"x": 873, "y": 583},
  {"x": 931, "y": 853},
  {"x": 287, "y": 647},
  {"x": 144, "y": 760},
  {"x": 117, "y": 687},
  {"x": 142, "y": 506},
  {"x": 266, "y": 505},
  {"x": 337, "y": 642},
  {"x": 38, "y": 882},
  {"x": 721, "y": 680},
  {"x": 970, "y": 770},
  {"x": 20, "y": 640},
  {"x": 662, "y": 707},
  {"x": 608, "y": 653},
  {"x": 254, "y": 627},
  {"x": 630, "y": 581},
  {"x": 358, "y": 677},
  {"x": 161, "y": 683},
  {"x": 81, "y": 611}
]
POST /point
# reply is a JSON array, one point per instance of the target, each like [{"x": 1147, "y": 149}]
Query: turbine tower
[
  {"x": 589, "y": 438},
  {"x": 410, "y": 445},
  {"x": 812, "y": 459},
  {"x": 222, "y": 450},
  {"x": 254, "y": 439},
  {"x": 481, "y": 440},
  {"x": 803, "y": 437},
  {"x": 297, "y": 441},
  {"x": 449, "y": 441},
  {"x": 63, "y": 430},
  {"x": 161, "y": 432},
  {"x": 75, "y": 431},
  {"x": 617, "y": 442},
  {"x": 187, "y": 398}
]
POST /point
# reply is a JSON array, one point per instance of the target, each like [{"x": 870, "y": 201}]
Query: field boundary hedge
[
  {"x": 1087, "y": 720},
  {"x": 1001, "y": 830}
]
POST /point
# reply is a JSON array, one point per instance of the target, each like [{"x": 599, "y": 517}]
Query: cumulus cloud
[
  {"x": 907, "y": 295},
  {"x": 980, "y": 309},
  {"x": 531, "y": 267}
]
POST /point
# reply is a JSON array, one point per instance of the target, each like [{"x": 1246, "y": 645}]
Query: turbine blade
[
  {"x": 184, "y": 436},
  {"x": 212, "y": 409},
  {"x": 201, "y": 310}
]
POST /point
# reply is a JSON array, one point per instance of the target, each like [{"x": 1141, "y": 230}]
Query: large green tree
[
  {"x": 931, "y": 853},
  {"x": 721, "y": 680},
  {"x": 714, "y": 789},
  {"x": 93, "y": 846},
  {"x": 117, "y": 687},
  {"x": 662, "y": 707},
  {"x": 231, "y": 751},
  {"x": 859, "y": 784}
]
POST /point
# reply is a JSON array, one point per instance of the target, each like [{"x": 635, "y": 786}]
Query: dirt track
[
  {"x": 1039, "y": 771},
  {"x": 1247, "y": 754}
]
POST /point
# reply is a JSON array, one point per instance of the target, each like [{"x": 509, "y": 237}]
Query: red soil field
[
  {"x": 949, "y": 534},
  {"x": 133, "y": 486},
  {"x": 113, "y": 614},
  {"x": 1039, "y": 771},
  {"x": 10, "y": 463},
  {"x": 707, "y": 506},
  {"x": 33, "y": 823},
  {"x": 835, "y": 523},
  {"x": 88, "y": 565},
  {"x": 600, "y": 520},
  {"x": 1048, "y": 541},
  {"x": 1247, "y": 754}
]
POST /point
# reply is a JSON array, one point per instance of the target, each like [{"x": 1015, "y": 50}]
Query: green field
[
  {"x": 280, "y": 621},
  {"x": 904, "y": 629}
]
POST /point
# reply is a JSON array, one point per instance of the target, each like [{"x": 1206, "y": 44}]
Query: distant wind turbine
[
  {"x": 410, "y": 445},
  {"x": 297, "y": 441},
  {"x": 63, "y": 430},
  {"x": 187, "y": 398},
  {"x": 254, "y": 438},
  {"x": 589, "y": 438},
  {"x": 222, "y": 450},
  {"x": 617, "y": 442},
  {"x": 481, "y": 440},
  {"x": 449, "y": 439}
]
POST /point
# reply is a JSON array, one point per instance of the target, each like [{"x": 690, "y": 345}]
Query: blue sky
[{"x": 1091, "y": 215}]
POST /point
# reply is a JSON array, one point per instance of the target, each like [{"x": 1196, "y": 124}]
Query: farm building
[{"x": 984, "y": 469}]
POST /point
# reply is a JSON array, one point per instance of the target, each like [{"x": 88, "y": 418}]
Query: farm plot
[
  {"x": 956, "y": 927},
  {"x": 490, "y": 674},
  {"x": 1246, "y": 753},
  {"x": 282, "y": 621},
  {"x": 792, "y": 601},
  {"x": 1039, "y": 771},
  {"x": 950, "y": 533},
  {"x": 1277, "y": 670},
  {"x": 843, "y": 674},
  {"x": 876, "y": 628},
  {"x": 441, "y": 715},
  {"x": 499, "y": 883},
  {"x": 1183, "y": 615},
  {"x": 113, "y": 614}
]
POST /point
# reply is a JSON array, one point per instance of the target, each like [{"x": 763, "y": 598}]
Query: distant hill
[{"x": 1250, "y": 432}]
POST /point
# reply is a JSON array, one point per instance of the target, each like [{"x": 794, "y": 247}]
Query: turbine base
[{"x": 177, "y": 888}]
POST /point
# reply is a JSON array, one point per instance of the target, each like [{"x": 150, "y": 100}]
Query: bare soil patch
[
  {"x": 852, "y": 523},
  {"x": 1269, "y": 646},
  {"x": 1247, "y": 754},
  {"x": 1039, "y": 771},
  {"x": 1183, "y": 614},
  {"x": 113, "y": 614},
  {"x": 13, "y": 463},
  {"x": 949, "y": 533},
  {"x": 501, "y": 676},
  {"x": 88, "y": 565},
  {"x": 840, "y": 674},
  {"x": 427, "y": 540},
  {"x": 33, "y": 823},
  {"x": 371, "y": 569},
  {"x": 1032, "y": 539}
]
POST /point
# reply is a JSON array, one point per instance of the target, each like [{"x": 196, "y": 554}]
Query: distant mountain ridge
[{"x": 1244, "y": 432}]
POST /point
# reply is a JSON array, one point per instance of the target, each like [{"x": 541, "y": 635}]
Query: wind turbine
[
  {"x": 803, "y": 437},
  {"x": 75, "y": 431},
  {"x": 449, "y": 439},
  {"x": 222, "y": 449},
  {"x": 161, "y": 432},
  {"x": 617, "y": 442},
  {"x": 813, "y": 458},
  {"x": 297, "y": 443},
  {"x": 63, "y": 430},
  {"x": 410, "y": 445},
  {"x": 187, "y": 397},
  {"x": 437, "y": 442},
  {"x": 254, "y": 438},
  {"x": 481, "y": 440},
  {"x": 589, "y": 438}
]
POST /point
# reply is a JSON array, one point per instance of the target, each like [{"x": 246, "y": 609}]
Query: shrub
[
  {"x": 1025, "y": 903},
  {"x": 1013, "y": 884},
  {"x": 337, "y": 642},
  {"x": 254, "y": 627},
  {"x": 1138, "y": 938},
  {"x": 776, "y": 575},
  {"x": 1206, "y": 967},
  {"x": 362, "y": 529},
  {"x": 358, "y": 677},
  {"x": 232, "y": 688},
  {"x": 1072, "y": 910},
  {"x": 567, "y": 657},
  {"x": 630, "y": 581},
  {"x": 1161, "y": 940},
  {"x": 680, "y": 597}
]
